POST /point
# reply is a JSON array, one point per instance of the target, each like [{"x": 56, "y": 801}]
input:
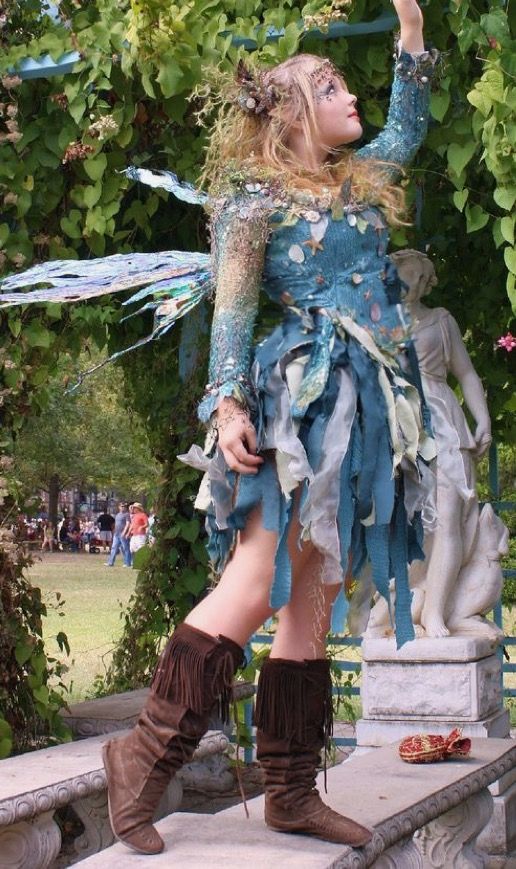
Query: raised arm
[
  {"x": 407, "y": 119},
  {"x": 239, "y": 234},
  {"x": 411, "y": 25}
]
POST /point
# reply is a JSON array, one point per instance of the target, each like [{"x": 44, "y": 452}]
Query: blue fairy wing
[
  {"x": 75, "y": 280},
  {"x": 167, "y": 181}
]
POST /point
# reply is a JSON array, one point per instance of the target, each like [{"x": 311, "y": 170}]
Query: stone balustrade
[
  {"x": 33, "y": 786},
  {"x": 424, "y": 817}
]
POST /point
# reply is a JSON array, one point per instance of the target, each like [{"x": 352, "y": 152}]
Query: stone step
[
  {"x": 120, "y": 711},
  {"x": 377, "y": 789}
]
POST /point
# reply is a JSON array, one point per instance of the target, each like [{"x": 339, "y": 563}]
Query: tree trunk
[{"x": 54, "y": 489}]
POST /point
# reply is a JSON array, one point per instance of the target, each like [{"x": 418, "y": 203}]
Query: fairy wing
[{"x": 76, "y": 280}]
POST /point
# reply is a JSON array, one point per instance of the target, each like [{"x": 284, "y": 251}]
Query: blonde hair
[{"x": 256, "y": 144}]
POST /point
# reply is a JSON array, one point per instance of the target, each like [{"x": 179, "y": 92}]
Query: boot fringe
[
  {"x": 281, "y": 700},
  {"x": 179, "y": 673},
  {"x": 284, "y": 690},
  {"x": 222, "y": 686},
  {"x": 197, "y": 670}
]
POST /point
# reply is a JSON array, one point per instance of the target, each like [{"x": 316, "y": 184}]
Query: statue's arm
[{"x": 461, "y": 366}]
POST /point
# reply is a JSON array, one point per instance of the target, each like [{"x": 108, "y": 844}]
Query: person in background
[
  {"x": 120, "y": 541},
  {"x": 64, "y": 533},
  {"x": 48, "y": 536},
  {"x": 137, "y": 532},
  {"x": 74, "y": 534},
  {"x": 106, "y": 523},
  {"x": 88, "y": 532}
]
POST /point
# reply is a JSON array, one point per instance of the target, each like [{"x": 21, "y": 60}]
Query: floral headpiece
[{"x": 255, "y": 96}]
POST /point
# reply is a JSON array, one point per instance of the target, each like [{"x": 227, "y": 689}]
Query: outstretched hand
[
  {"x": 237, "y": 438},
  {"x": 411, "y": 24}
]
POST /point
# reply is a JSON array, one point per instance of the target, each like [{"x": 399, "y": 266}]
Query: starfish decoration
[{"x": 314, "y": 245}]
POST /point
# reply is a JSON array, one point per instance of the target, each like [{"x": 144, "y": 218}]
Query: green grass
[{"x": 90, "y": 615}]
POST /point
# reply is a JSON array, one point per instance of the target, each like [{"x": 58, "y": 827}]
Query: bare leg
[
  {"x": 444, "y": 561},
  {"x": 240, "y": 602},
  {"x": 305, "y": 621}
]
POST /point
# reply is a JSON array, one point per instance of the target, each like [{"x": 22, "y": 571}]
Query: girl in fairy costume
[{"x": 315, "y": 461}]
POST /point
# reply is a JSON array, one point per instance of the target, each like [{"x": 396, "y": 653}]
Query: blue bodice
[{"x": 342, "y": 269}]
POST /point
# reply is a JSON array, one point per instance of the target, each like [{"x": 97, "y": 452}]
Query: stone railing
[
  {"x": 33, "y": 786},
  {"x": 424, "y": 817}
]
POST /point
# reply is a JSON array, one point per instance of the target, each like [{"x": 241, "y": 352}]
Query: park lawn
[{"x": 90, "y": 616}]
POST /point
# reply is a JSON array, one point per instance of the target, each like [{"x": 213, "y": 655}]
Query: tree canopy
[{"x": 85, "y": 438}]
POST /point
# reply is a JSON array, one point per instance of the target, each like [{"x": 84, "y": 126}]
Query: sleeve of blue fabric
[
  {"x": 239, "y": 228},
  {"x": 407, "y": 120}
]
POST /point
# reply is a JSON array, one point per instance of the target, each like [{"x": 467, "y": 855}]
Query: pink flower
[{"x": 507, "y": 342}]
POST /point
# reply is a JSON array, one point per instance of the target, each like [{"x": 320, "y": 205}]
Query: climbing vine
[{"x": 64, "y": 140}]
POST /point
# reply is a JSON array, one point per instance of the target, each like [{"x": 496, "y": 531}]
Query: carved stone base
[
  {"x": 449, "y": 842},
  {"x": 403, "y": 855},
  {"x": 93, "y": 812},
  {"x": 33, "y": 844},
  {"x": 499, "y": 836},
  {"x": 460, "y": 691},
  {"x": 374, "y": 733},
  {"x": 212, "y": 774}
]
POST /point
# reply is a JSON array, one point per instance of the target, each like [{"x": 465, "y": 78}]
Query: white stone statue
[{"x": 460, "y": 579}]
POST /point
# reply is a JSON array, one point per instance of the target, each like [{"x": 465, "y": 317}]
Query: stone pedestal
[{"x": 432, "y": 686}]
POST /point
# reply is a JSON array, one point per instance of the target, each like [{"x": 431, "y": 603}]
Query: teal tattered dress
[{"x": 331, "y": 391}]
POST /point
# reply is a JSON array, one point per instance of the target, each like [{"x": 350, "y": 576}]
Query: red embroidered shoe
[{"x": 428, "y": 748}]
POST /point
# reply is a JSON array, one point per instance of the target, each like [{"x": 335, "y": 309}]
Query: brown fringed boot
[
  {"x": 194, "y": 672},
  {"x": 294, "y": 721}
]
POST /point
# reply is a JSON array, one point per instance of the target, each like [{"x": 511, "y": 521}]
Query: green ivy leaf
[
  {"x": 92, "y": 194},
  {"x": 505, "y": 197},
  {"x": 460, "y": 198},
  {"x": 439, "y": 103},
  {"x": 194, "y": 580},
  {"x": 15, "y": 325},
  {"x": 6, "y": 741},
  {"x": 509, "y": 256},
  {"x": 41, "y": 694},
  {"x": 77, "y": 108},
  {"x": 170, "y": 76},
  {"x": 37, "y": 336},
  {"x": 141, "y": 558},
  {"x": 497, "y": 233},
  {"x": 481, "y": 101},
  {"x": 511, "y": 290},
  {"x": 70, "y": 224},
  {"x": 476, "y": 218},
  {"x": 190, "y": 530},
  {"x": 38, "y": 663},
  {"x": 507, "y": 229},
  {"x": 95, "y": 167},
  {"x": 460, "y": 155},
  {"x": 495, "y": 24},
  {"x": 22, "y": 652}
]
